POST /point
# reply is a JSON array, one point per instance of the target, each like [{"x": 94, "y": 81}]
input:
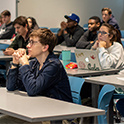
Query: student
[
  {"x": 89, "y": 37},
  {"x": 42, "y": 76},
  {"x": 110, "y": 52},
  {"x": 70, "y": 31},
  {"x": 32, "y": 23},
  {"x": 1, "y": 22},
  {"x": 7, "y": 30},
  {"x": 107, "y": 17},
  {"x": 21, "y": 40}
]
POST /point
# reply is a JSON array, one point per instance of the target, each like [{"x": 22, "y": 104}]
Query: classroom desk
[
  {"x": 59, "y": 48},
  {"x": 5, "y": 42},
  {"x": 87, "y": 73},
  {"x": 116, "y": 80},
  {"x": 35, "y": 109}
]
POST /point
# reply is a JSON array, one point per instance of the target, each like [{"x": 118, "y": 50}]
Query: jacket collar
[{"x": 48, "y": 60}]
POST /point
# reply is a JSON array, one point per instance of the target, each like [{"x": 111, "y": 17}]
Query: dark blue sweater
[{"x": 50, "y": 81}]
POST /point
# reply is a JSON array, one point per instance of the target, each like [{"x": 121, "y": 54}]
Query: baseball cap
[{"x": 73, "y": 17}]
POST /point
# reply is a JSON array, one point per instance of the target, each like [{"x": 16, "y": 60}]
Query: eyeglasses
[
  {"x": 102, "y": 32},
  {"x": 31, "y": 42}
]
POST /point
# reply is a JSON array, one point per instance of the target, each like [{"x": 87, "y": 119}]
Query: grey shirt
[
  {"x": 71, "y": 38},
  {"x": 84, "y": 41},
  {"x": 7, "y": 31}
]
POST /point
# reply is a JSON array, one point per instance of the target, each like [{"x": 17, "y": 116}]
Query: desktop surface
[{"x": 35, "y": 109}]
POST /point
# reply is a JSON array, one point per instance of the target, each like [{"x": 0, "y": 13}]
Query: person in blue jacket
[
  {"x": 44, "y": 75},
  {"x": 107, "y": 17}
]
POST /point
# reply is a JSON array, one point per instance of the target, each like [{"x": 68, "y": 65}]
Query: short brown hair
[
  {"x": 46, "y": 37},
  {"x": 6, "y": 13},
  {"x": 107, "y": 9},
  {"x": 21, "y": 20}
]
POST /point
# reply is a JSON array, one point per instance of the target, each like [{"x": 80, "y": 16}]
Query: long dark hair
[
  {"x": 113, "y": 31},
  {"x": 34, "y": 23}
]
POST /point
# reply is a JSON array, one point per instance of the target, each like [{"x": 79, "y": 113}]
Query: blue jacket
[
  {"x": 113, "y": 22},
  {"x": 50, "y": 81}
]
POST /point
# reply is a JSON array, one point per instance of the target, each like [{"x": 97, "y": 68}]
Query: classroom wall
[
  {"x": 9, "y": 5},
  {"x": 50, "y": 13}
]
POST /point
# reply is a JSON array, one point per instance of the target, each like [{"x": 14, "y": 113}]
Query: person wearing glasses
[
  {"x": 110, "y": 51},
  {"x": 21, "y": 40},
  {"x": 42, "y": 76},
  {"x": 90, "y": 36},
  {"x": 32, "y": 23}
]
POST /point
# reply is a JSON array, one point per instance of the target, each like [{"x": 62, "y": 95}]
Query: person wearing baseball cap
[{"x": 70, "y": 32}]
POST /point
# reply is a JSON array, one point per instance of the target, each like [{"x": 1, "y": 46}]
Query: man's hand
[
  {"x": 63, "y": 25},
  {"x": 20, "y": 57},
  {"x": 24, "y": 60},
  {"x": 96, "y": 45},
  {"x": 91, "y": 42},
  {"x": 8, "y": 51}
]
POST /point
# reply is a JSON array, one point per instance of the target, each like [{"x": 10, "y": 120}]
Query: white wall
[
  {"x": 50, "y": 13},
  {"x": 9, "y": 5}
]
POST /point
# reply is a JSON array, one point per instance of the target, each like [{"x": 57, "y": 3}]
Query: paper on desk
[{"x": 120, "y": 78}]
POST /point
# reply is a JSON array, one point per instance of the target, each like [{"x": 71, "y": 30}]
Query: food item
[{"x": 71, "y": 65}]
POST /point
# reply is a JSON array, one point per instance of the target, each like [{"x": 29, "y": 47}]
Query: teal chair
[
  {"x": 44, "y": 27},
  {"x": 85, "y": 27},
  {"x": 2, "y": 63},
  {"x": 54, "y": 30},
  {"x": 73, "y": 58},
  {"x": 3, "y": 46},
  {"x": 104, "y": 99},
  {"x": 122, "y": 41},
  {"x": 122, "y": 33},
  {"x": 76, "y": 84}
]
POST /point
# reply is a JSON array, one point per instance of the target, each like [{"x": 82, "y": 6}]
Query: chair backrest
[
  {"x": 73, "y": 58},
  {"x": 85, "y": 25},
  {"x": 44, "y": 27},
  {"x": 104, "y": 99},
  {"x": 54, "y": 30},
  {"x": 76, "y": 85},
  {"x": 122, "y": 42},
  {"x": 3, "y": 46},
  {"x": 122, "y": 33}
]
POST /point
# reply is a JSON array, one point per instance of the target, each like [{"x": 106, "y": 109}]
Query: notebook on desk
[{"x": 87, "y": 59}]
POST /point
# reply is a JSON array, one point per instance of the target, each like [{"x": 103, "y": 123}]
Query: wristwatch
[{"x": 16, "y": 65}]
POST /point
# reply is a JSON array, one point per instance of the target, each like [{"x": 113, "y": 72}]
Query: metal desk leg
[
  {"x": 110, "y": 114},
  {"x": 95, "y": 93}
]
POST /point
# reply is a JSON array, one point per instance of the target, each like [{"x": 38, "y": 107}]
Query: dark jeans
[{"x": 120, "y": 106}]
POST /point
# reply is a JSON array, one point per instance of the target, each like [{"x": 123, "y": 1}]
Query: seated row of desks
[
  {"x": 35, "y": 109},
  {"x": 96, "y": 78},
  {"x": 9, "y": 107}
]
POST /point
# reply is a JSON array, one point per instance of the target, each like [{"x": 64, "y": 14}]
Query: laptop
[{"x": 87, "y": 59}]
